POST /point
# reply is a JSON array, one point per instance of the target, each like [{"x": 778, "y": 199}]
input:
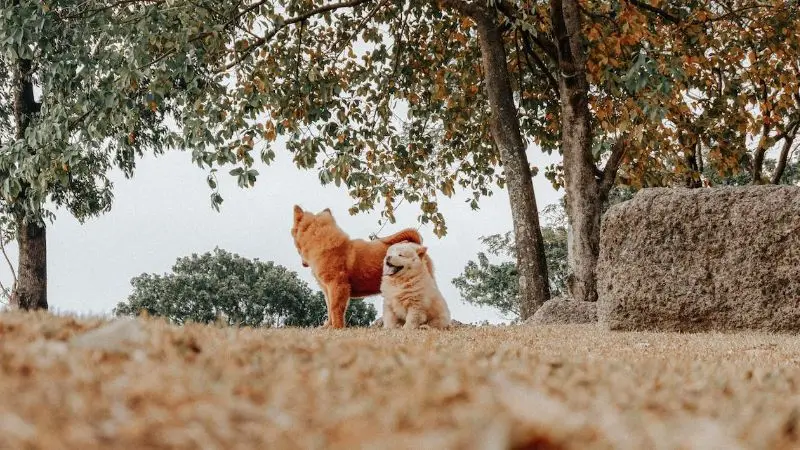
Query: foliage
[
  {"x": 387, "y": 98},
  {"x": 229, "y": 78},
  {"x": 93, "y": 109},
  {"x": 744, "y": 176},
  {"x": 485, "y": 283},
  {"x": 242, "y": 292},
  {"x": 384, "y": 97}
]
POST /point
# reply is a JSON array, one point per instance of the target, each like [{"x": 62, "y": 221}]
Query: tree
[
  {"x": 644, "y": 86},
  {"x": 243, "y": 292},
  {"x": 293, "y": 69},
  {"x": 89, "y": 85},
  {"x": 496, "y": 285},
  {"x": 69, "y": 110},
  {"x": 485, "y": 283},
  {"x": 228, "y": 75}
]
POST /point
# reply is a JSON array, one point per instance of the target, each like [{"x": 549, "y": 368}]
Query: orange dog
[{"x": 343, "y": 267}]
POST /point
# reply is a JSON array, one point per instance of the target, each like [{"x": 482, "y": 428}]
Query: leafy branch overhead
[{"x": 385, "y": 98}]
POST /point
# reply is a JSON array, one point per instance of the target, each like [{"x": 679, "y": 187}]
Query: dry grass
[{"x": 487, "y": 387}]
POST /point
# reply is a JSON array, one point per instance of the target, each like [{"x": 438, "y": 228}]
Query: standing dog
[
  {"x": 410, "y": 294},
  {"x": 343, "y": 267}
]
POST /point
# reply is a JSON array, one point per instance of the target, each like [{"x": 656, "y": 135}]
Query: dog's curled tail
[{"x": 409, "y": 234}]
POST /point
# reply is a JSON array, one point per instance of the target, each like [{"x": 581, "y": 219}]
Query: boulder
[
  {"x": 702, "y": 259},
  {"x": 564, "y": 311}
]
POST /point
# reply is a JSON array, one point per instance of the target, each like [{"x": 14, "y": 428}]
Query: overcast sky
[{"x": 164, "y": 213}]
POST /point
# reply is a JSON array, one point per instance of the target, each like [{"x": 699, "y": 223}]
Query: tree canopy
[{"x": 220, "y": 285}]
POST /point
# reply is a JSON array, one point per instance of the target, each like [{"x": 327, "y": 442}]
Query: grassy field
[{"x": 473, "y": 387}]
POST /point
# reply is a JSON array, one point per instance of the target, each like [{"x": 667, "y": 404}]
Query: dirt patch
[{"x": 576, "y": 386}]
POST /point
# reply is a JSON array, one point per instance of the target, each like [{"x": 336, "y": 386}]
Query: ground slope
[{"x": 472, "y": 387}]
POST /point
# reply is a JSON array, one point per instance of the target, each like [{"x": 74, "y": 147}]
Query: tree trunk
[
  {"x": 784, "y": 156},
  {"x": 31, "y": 289},
  {"x": 533, "y": 281},
  {"x": 758, "y": 157},
  {"x": 583, "y": 193},
  {"x": 693, "y": 180},
  {"x": 764, "y": 143}
]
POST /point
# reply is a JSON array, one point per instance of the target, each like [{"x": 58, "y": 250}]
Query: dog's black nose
[{"x": 386, "y": 260}]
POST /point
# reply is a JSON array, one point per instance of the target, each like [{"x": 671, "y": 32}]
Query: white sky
[{"x": 164, "y": 212}]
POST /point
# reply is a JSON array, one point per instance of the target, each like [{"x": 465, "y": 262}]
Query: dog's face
[
  {"x": 403, "y": 256},
  {"x": 305, "y": 221}
]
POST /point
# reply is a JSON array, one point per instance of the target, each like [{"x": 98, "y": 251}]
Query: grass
[{"x": 473, "y": 387}]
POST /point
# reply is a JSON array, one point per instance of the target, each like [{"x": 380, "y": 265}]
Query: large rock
[
  {"x": 702, "y": 259},
  {"x": 561, "y": 311}
]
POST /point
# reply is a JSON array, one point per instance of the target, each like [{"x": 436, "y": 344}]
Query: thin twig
[
  {"x": 539, "y": 62},
  {"x": 94, "y": 11},
  {"x": 343, "y": 44},
  {"x": 8, "y": 260},
  {"x": 291, "y": 21},
  {"x": 8, "y": 293}
]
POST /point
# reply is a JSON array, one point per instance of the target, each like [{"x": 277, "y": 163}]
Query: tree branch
[
  {"x": 784, "y": 156},
  {"x": 172, "y": 52},
  {"x": 610, "y": 170},
  {"x": 291, "y": 21},
  {"x": 763, "y": 143},
  {"x": 538, "y": 61},
  {"x": 790, "y": 129},
  {"x": 342, "y": 44},
  {"x": 86, "y": 14},
  {"x": 657, "y": 11},
  {"x": 8, "y": 261},
  {"x": 669, "y": 17},
  {"x": 547, "y": 46}
]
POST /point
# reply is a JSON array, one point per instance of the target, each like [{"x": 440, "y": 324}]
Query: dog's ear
[
  {"x": 422, "y": 250},
  {"x": 326, "y": 212},
  {"x": 298, "y": 213}
]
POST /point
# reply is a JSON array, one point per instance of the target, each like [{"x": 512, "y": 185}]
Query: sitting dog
[
  {"x": 343, "y": 267},
  {"x": 410, "y": 294}
]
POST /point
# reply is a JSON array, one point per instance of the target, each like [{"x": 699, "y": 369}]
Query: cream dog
[{"x": 410, "y": 294}]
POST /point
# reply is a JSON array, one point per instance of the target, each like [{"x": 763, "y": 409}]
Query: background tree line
[
  {"x": 397, "y": 101},
  {"x": 221, "y": 286}
]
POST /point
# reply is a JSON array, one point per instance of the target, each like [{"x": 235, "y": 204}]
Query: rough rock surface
[
  {"x": 702, "y": 259},
  {"x": 564, "y": 311}
]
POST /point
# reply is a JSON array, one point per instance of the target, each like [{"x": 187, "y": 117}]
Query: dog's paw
[{"x": 424, "y": 326}]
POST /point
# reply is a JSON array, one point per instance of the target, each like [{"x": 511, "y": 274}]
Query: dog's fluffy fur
[
  {"x": 410, "y": 294},
  {"x": 343, "y": 267}
]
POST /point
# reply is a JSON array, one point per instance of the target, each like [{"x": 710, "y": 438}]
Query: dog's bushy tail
[{"x": 409, "y": 234}]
